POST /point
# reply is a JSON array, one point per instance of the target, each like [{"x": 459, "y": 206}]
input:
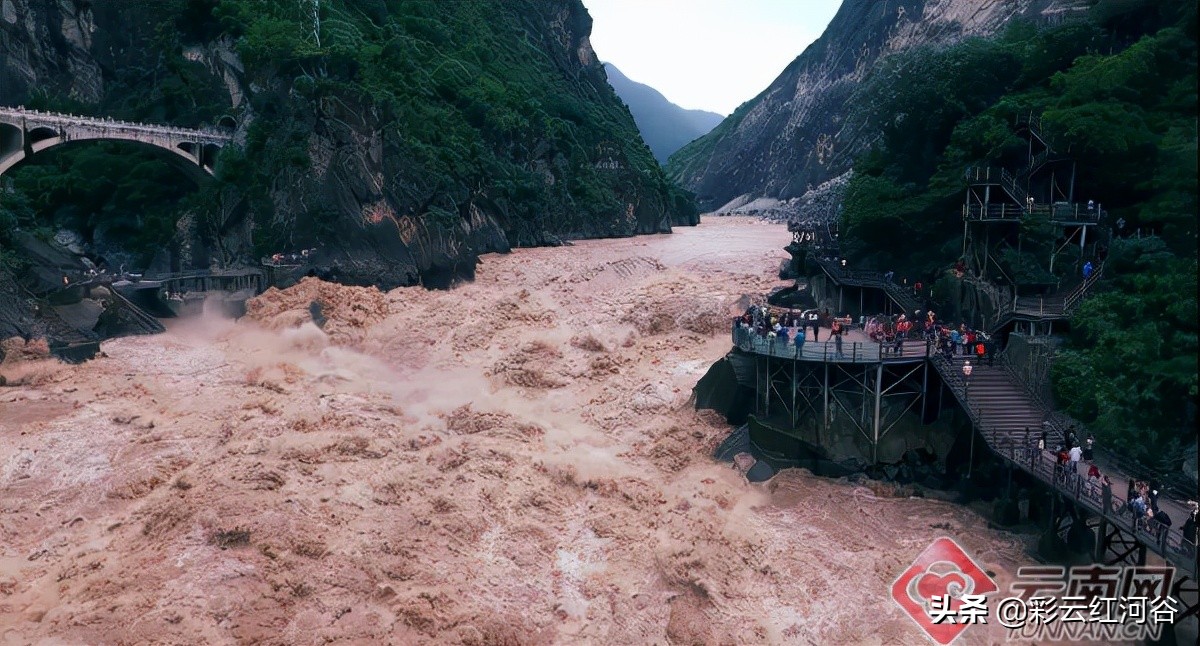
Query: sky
[{"x": 706, "y": 54}]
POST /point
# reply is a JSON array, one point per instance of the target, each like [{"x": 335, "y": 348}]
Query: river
[{"x": 511, "y": 461}]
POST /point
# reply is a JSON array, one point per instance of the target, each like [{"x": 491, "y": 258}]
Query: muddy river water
[{"x": 514, "y": 461}]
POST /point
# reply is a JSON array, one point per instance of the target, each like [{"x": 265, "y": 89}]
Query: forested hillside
[
  {"x": 401, "y": 137},
  {"x": 1118, "y": 95}
]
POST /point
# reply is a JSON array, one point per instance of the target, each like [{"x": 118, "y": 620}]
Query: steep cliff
[
  {"x": 797, "y": 133},
  {"x": 399, "y": 138}
]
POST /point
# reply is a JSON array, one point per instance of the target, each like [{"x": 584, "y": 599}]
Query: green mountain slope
[
  {"x": 400, "y": 137},
  {"x": 1116, "y": 95}
]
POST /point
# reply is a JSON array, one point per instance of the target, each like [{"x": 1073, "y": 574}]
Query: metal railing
[
  {"x": 1033, "y": 122},
  {"x": 1057, "y": 212},
  {"x": 999, "y": 176},
  {"x": 904, "y": 295},
  {"x": 1092, "y": 494},
  {"x": 1169, "y": 542},
  {"x": 827, "y": 351},
  {"x": 1079, "y": 293}
]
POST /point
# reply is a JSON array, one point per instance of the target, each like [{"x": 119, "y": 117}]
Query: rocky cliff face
[
  {"x": 796, "y": 134},
  {"x": 47, "y": 46},
  {"x": 394, "y": 182}
]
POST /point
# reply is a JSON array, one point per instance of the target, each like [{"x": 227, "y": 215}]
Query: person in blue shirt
[{"x": 1087, "y": 270}]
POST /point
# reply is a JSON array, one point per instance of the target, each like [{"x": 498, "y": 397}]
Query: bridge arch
[{"x": 24, "y": 133}]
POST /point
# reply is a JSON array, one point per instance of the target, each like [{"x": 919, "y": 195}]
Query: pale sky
[{"x": 707, "y": 54}]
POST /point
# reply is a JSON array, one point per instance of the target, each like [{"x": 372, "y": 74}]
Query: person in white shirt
[{"x": 1076, "y": 453}]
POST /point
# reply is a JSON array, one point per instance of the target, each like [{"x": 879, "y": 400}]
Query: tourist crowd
[
  {"x": 789, "y": 327},
  {"x": 1075, "y": 465}
]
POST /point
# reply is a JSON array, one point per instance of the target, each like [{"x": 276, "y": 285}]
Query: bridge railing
[{"x": 215, "y": 134}]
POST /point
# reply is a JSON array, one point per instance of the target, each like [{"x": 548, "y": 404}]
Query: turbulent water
[{"x": 514, "y": 461}]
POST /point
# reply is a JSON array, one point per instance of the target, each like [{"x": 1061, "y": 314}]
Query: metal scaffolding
[{"x": 873, "y": 397}]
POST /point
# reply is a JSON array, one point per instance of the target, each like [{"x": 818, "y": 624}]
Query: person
[
  {"x": 955, "y": 340},
  {"x": 799, "y": 339},
  {"x": 889, "y": 276},
  {"x": 1072, "y": 439},
  {"x": 1075, "y": 454},
  {"x": 1162, "y": 518},
  {"x": 1042, "y": 442},
  {"x": 917, "y": 287},
  {"x": 1091, "y": 206},
  {"x": 980, "y": 351},
  {"x": 1093, "y": 472},
  {"x": 1087, "y": 447},
  {"x": 835, "y": 329},
  {"x": 1138, "y": 507},
  {"x": 1189, "y": 527},
  {"x": 814, "y": 321},
  {"x": 1087, "y": 270}
]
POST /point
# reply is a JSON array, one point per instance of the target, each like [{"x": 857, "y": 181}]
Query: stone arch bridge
[{"x": 24, "y": 133}]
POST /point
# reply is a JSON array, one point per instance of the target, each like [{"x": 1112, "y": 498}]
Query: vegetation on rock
[
  {"x": 1118, "y": 95},
  {"x": 462, "y": 112}
]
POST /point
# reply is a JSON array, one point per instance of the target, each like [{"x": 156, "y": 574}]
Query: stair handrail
[
  {"x": 1000, "y": 267},
  {"x": 1169, "y": 540},
  {"x": 150, "y": 324},
  {"x": 1079, "y": 293},
  {"x": 1013, "y": 187},
  {"x": 1037, "y": 161},
  {"x": 1034, "y": 123},
  {"x": 1002, "y": 177}
]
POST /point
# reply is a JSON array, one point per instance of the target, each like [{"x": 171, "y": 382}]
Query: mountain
[
  {"x": 400, "y": 139},
  {"x": 799, "y": 132},
  {"x": 665, "y": 126}
]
